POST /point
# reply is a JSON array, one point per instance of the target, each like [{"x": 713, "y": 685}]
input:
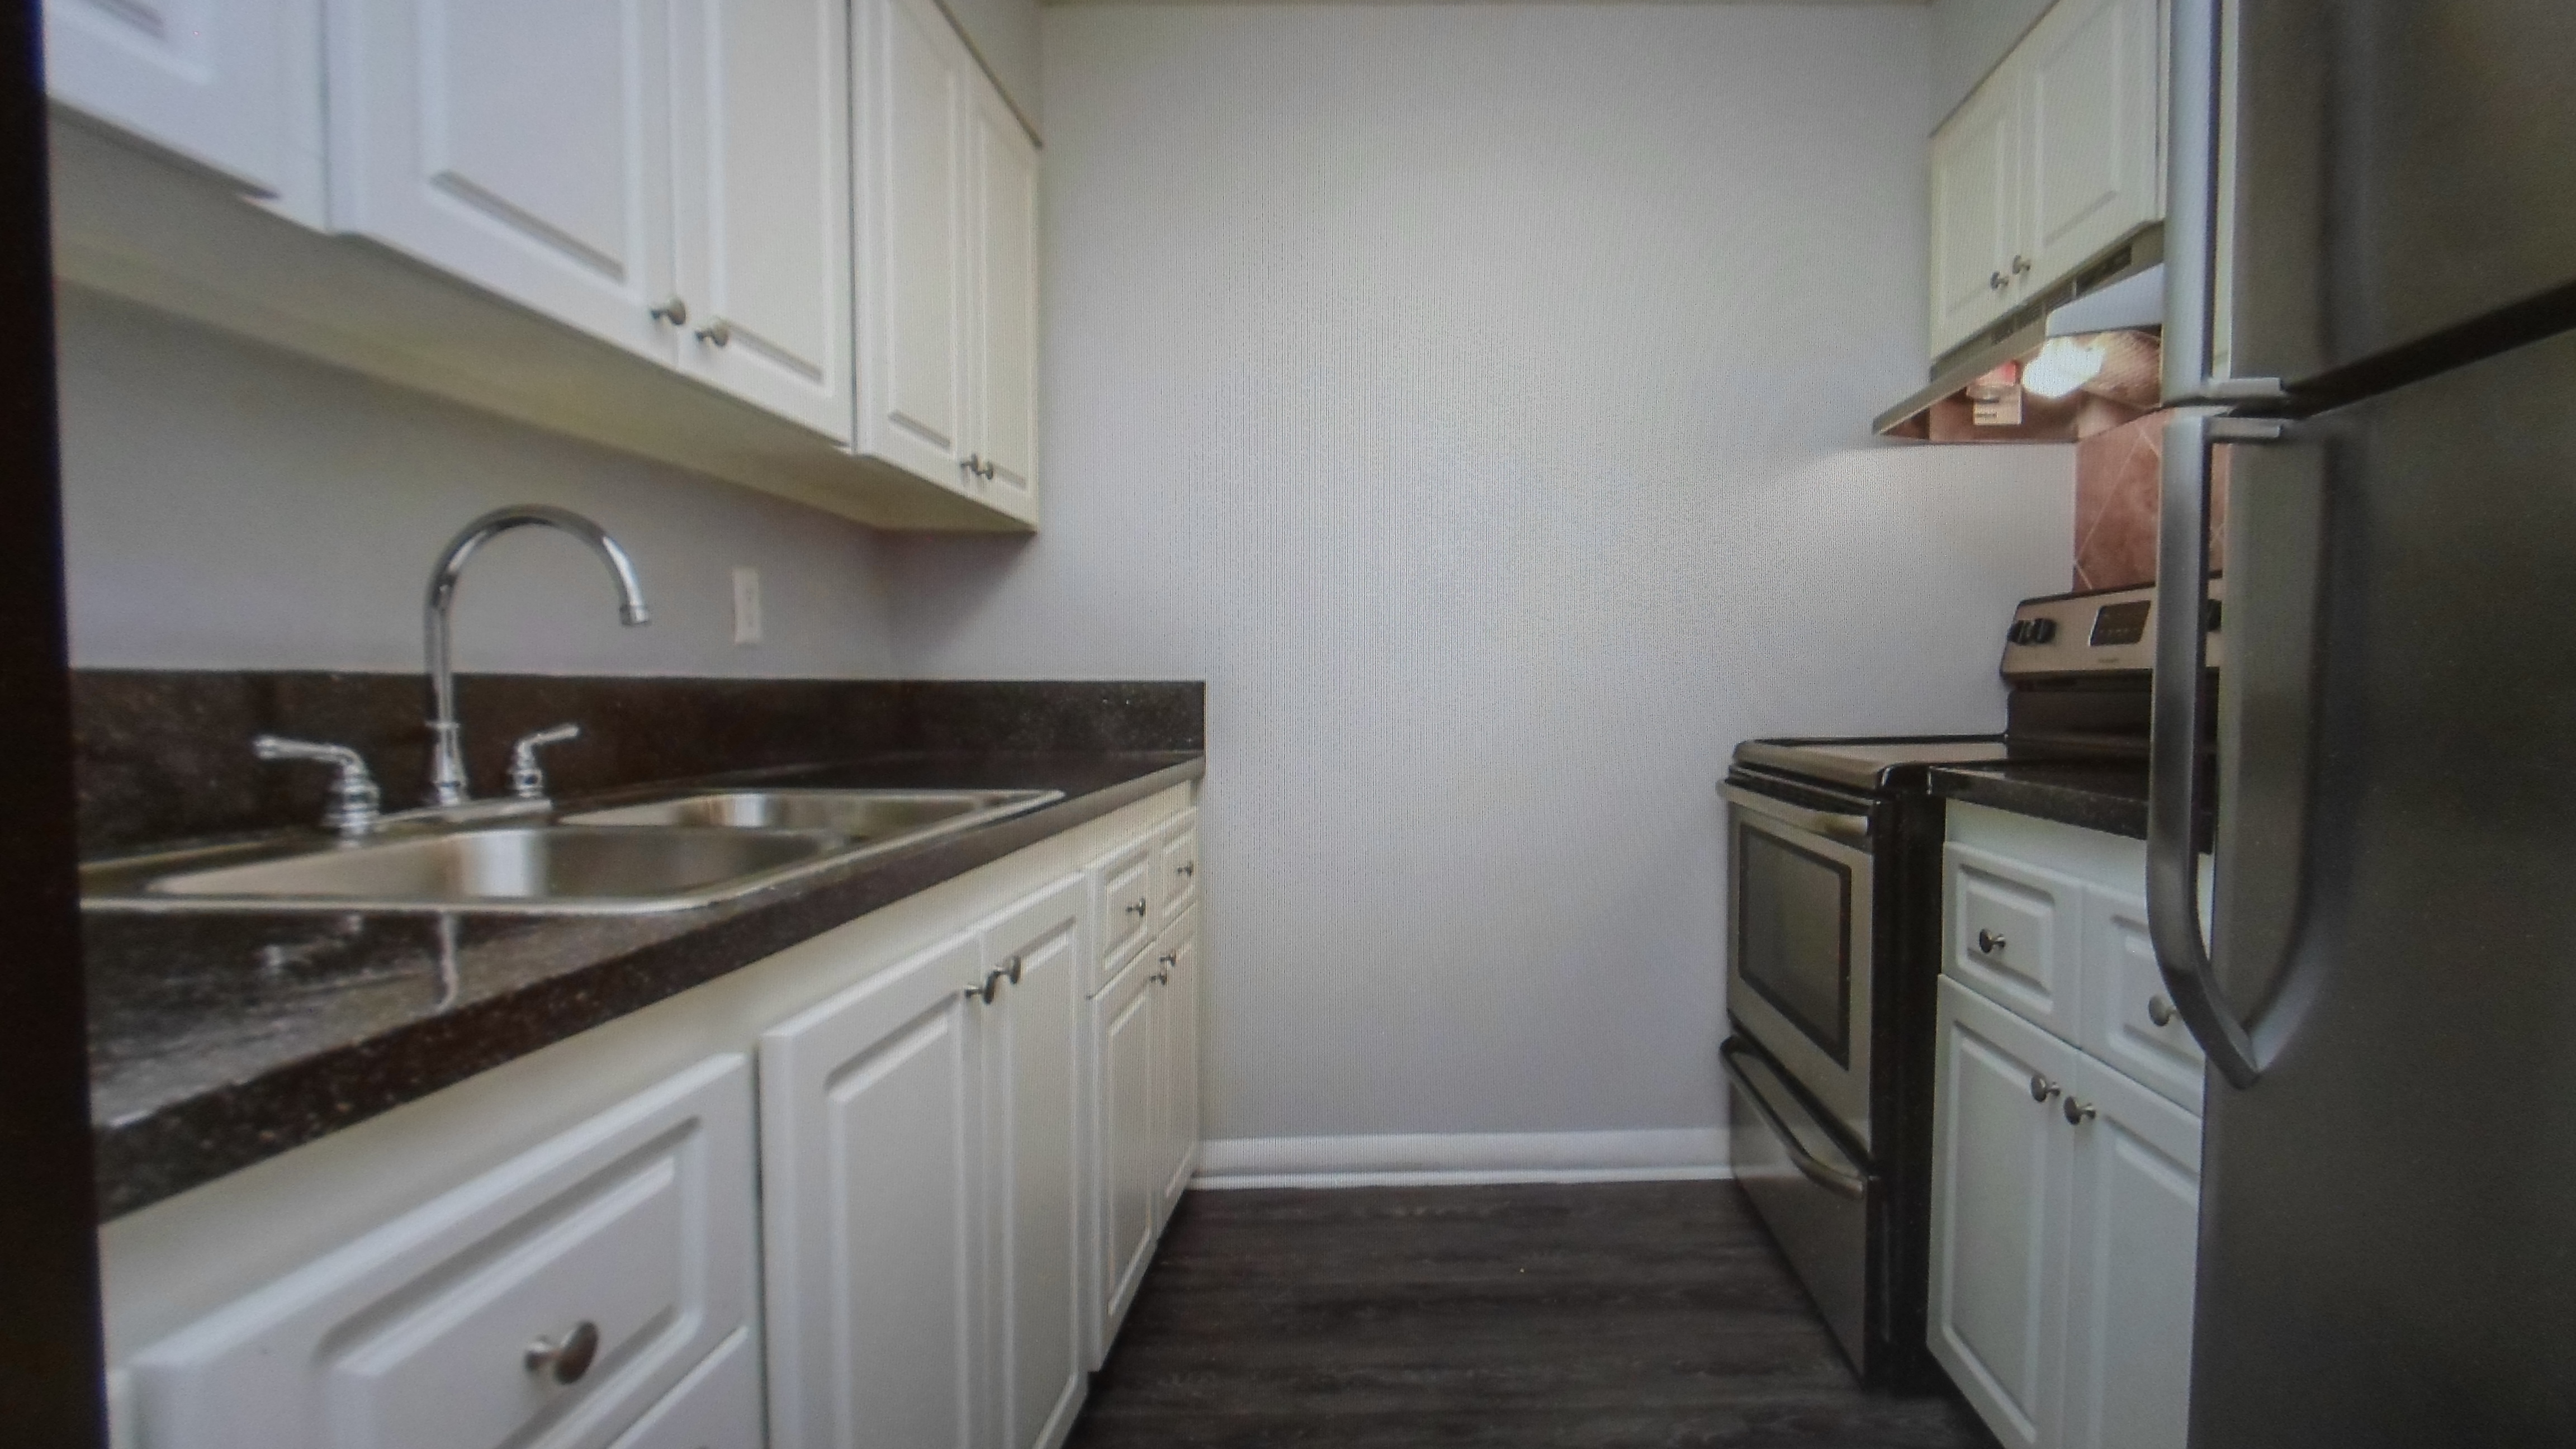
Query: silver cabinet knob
[
  {"x": 1998, "y": 282},
  {"x": 567, "y": 1358},
  {"x": 2160, "y": 1011},
  {"x": 2078, "y": 1113},
  {"x": 1990, "y": 943},
  {"x": 675, "y": 312},
  {"x": 1187, "y": 869},
  {"x": 715, "y": 333},
  {"x": 2021, "y": 266},
  {"x": 1137, "y": 908},
  {"x": 1011, "y": 968},
  {"x": 2041, "y": 1088},
  {"x": 992, "y": 985}
]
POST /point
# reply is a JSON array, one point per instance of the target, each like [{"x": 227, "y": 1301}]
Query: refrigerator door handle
[
  {"x": 2191, "y": 219},
  {"x": 2173, "y": 751}
]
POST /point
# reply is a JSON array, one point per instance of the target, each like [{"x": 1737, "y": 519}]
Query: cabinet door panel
[
  {"x": 2015, "y": 933},
  {"x": 2124, "y": 992},
  {"x": 2136, "y": 1251},
  {"x": 2000, "y": 1214},
  {"x": 638, "y": 1224},
  {"x": 912, "y": 247},
  {"x": 1005, "y": 350},
  {"x": 1179, "y": 1062},
  {"x": 762, "y": 190},
  {"x": 716, "y": 1407},
  {"x": 1976, "y": 208},
  {"x": 522, "y": 147},
  {"x": 1030, "y": 1127},
  {"x": 2092, "y": 78},
  {"x": 870, "y": 1180},
  {"x": 232, "y": 85},
  {"x": 1129, "y": 1163}
]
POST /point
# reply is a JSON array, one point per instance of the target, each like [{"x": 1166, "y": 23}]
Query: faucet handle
[
  {"x": 527, "y": 781},
  {"x": 355, "y": 801}
]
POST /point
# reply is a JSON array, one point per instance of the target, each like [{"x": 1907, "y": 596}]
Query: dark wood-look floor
[{"x": 1606, "y": 1315}]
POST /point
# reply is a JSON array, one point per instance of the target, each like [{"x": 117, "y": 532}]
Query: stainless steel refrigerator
[{"x": 2372, "y": 277}]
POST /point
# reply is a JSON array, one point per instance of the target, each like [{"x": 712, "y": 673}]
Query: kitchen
[{"x": 1385, "y": 460}]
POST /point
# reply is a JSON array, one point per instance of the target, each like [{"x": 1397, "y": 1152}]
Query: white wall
[
  {"x": 1477, "y": 397},
  {"x": 226, "y": 506},
  {"x": 1969, "y": 39}
]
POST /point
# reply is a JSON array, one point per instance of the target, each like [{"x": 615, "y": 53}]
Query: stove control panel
[{"x": 2108, "y": 631}]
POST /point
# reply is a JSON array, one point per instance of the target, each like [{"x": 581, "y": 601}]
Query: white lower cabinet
[
  {"x": 2000, "y": 1191},
  {"x": 2132, "y": 1256},
  {"x": 551, "y": 1302},
  {"x": 2066, "y": 1160},
  {"x": 891, "y": 1243},
  {"x": 871, "y": 1174},
  {"x": 1176, "y": 1098},
  {"x": 1127, "y": 1047},
  {"x": 1032, "y": 1164}
]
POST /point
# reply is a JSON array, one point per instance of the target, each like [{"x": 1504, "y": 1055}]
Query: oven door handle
[
  {"x": 1840, "y": 1181},
  {"x": 1853, "y": 829}
]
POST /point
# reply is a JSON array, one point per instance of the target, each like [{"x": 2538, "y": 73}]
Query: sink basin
[
  {"x": 549, "y": 868},
  {"x": 856, "y": 815}
]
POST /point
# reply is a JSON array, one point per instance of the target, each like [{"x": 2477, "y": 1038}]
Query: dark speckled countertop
[
  {"x": 218, "y": 1040},
  {"x": 2105, "y": 795}
]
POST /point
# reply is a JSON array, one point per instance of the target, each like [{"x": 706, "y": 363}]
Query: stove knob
[{"x": 2042, "y": 630}]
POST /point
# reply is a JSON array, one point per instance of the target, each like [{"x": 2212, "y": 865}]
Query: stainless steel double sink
[{"x": 668, "y": 854}]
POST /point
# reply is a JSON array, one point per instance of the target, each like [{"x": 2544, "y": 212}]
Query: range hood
[{"x": 2078, "y": 360}]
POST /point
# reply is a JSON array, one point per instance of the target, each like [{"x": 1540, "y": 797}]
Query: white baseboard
[{"x": 1661, "y": 1155}]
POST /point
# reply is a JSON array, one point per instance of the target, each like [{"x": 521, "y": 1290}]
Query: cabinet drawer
[
  {"x": 716, "y": 1407},
  {"x": 2124, "y": 993},
  {"x": 1122, "y": 901},
  {"x": 1177, "y": 868},
  {"x": 2015, "y": 934},
  {"x": 626, "y": 1243}
]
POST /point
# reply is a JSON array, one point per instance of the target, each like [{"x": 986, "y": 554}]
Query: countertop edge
[{"x": 147, "y": 1156}]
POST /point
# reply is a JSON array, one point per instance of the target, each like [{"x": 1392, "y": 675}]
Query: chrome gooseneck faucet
[{"x": 447, "y": 746}]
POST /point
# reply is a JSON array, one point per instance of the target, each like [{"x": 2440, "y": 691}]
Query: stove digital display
[{"x": 2122, "y": 623}]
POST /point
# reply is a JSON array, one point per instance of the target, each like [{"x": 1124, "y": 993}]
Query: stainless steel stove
[{"x": 1833, "y": 929}]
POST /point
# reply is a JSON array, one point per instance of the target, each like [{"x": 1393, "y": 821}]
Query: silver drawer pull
[
  {"x": 1011, "y": 968},
  {"x": 1990, "y": 943},
  {"x": 565, "y": 1360},
  {"x": 2078, "y": 1113},
  {"x": 1138, "y": 909},
  {"x": 2160, "y": 1011},
  {"x": 2041, "y": 1088},
  {"x": 1187, "y": 869},
  {"x": 716, "y": 333}
]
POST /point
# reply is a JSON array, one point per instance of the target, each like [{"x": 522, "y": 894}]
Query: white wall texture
[
  {"x": 1477, "y": 397},
  {"x": 227, "y": 506}
]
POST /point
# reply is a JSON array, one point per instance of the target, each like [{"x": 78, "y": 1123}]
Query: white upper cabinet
[
  {"x": 1976, "y": 211},
  {"x": 871, "y": 1164},
  {"x": 2092, "y": 77},
  {"x": 232, "y": 85},
  {"x": 913, "y": 82},
  {"x": 2053, "y": 159},
  {"x": 1005, "y": 357},
  {"x": 947, "y": 210},
  {"x": 524, "y": 148},
  {"x": 762, "y": 190}
]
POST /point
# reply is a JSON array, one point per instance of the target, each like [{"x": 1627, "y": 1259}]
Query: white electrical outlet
[{"x": 746, "y": 606}]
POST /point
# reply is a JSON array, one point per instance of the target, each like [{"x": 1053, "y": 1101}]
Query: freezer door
[
  {"x": 2402, "y": 170},
  {"x": 2388, "y": 1211}
]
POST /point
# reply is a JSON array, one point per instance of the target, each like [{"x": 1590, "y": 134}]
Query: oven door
[{"x": 1799, "y": 933}]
